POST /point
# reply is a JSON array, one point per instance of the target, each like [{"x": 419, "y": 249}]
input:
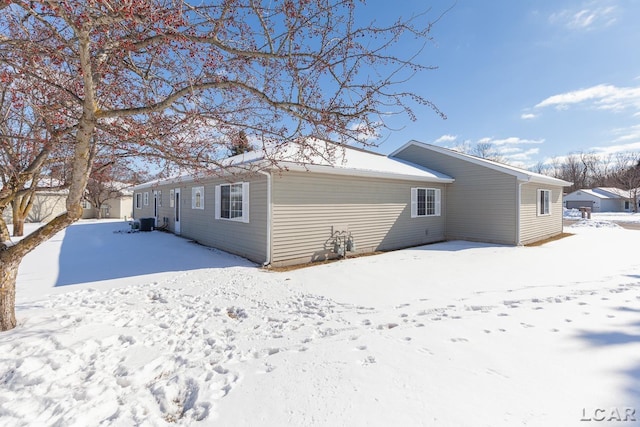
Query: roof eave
[{"x": 332, "y": 170}]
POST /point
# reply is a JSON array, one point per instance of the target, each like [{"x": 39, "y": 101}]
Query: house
[
  {"x": 48, "y": 204},
  {"x": 601, "y": 199},
  {"x": 294, "y": 207},
  {"x": 118, "y": 205},
  {"x": 490, "y": 201}
]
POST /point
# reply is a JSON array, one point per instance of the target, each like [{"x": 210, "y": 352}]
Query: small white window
[
  {"x": 544, "y": 202},
  {"x": 197, "y": 198},
  {"x": 146, "y": 198},
  {"x": 172, "y": 195},
  {"x": 85, "y": 204},
  {"x": 425, "y": 202},
  {"x": 159, "y": 198},
  {"x": 232, "y": 202},
  {"x": 138, "y": 201}
]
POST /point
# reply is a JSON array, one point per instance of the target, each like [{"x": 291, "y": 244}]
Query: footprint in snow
[
  {"x": 369, "y": 360},
  {"x": 459, "y": 340},
  {"x": 387, "y": 325}
]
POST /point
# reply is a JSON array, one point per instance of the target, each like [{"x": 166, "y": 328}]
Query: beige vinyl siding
[
  {"x": 377, "y": 213},
  {"x": 47, "y": 206},
  {"x": 144, "y": 211},
  {"x": 245, "y": 239},
  {"x": 535, "y": 227},
  {"x": 481, "y": 204}
]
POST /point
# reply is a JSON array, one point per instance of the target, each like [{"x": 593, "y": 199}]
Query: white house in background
[
  {"x": 601, "y": 199},
  {"x": 297, "y": 209},
  {"x": 48, "y": 204}
]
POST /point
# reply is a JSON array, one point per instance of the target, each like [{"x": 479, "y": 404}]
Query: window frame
[
  {"x": 145, "y": 198},
  {"x": 431, "y": 208},
  {"x": 159, "y": 198},
  {"x": 138, "y": 201},
  {"x": 197, "y": 202},
  {"x": 235, "y": 205},
  {"x": 542, "y": 202},
  {"x": 172, "y": 196}
]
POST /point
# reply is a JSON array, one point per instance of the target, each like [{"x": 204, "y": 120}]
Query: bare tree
[
  {"x": 26, "y": 149},
  {"x": 626, "y": 174},
  {"x": 487, "y": 150},
  {"x": 105, "y": 183},
  {"x": 174, "y": 80}
]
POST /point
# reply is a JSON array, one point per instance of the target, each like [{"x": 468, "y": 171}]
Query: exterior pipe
[{"x": 269, "y": 216}]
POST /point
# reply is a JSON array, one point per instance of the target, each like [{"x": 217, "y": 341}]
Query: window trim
[
  {"x": 244, "y": 202},
  {"x": 197, "y": 203},
  {"x": 437, "y": 202},
  {"x": 540, "y": 207},
  {"x": 145, "y": 198},
  {"x": 138, "y": 200},
  {"x": 159, "y": 198},
  {"x": 172, "y": 195}
]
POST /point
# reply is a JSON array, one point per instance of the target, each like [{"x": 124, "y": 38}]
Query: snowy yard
[{"x": 150, "y": 329}]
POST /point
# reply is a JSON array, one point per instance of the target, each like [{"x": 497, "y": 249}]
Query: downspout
[
  {"x": 269, "y": 216},
  {"x": 518, "y": 212}
]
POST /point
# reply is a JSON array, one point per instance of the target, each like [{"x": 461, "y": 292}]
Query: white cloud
[
  {"x": 620, "y": 148},
  {"x": 591, "y": 15},
  {"x": 446, "y": 138},
  {"x": 512, "y": 140},
  {"x": 366, "y": 133},
  {"x": 602, "y": 97},
  {"x": 528, "y": 116}
]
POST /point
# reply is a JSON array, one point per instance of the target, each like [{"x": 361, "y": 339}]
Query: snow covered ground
[{"x": 150, "y": 329}]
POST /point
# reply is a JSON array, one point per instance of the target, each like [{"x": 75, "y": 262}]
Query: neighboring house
[
  {"x": 48, "y": 204},
  {"x": 116, "y": 207},
  {"x": 600, "y": 199},
  {"x": 284, "y": 211}
]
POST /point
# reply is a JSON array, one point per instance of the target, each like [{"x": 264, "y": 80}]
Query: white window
[
  {"x": 138, "y": 201},
  {"x": 425, "y": 202},
  {"x": 544, "y": 202},
  {"x": 232, "y": 202},
  {"x": 172, "y": 195},
  {"x": 159, "y": 198},
  {"x": 146, "y": 198},
  {"x": 197, "y": 198},
  {"x": 85, "y": 204}
]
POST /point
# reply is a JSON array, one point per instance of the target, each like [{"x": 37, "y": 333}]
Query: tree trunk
[
  {"x": 8, "y": 276},
  {"x": 18, "y": 226},
  {"x": 4, "y": 231}
]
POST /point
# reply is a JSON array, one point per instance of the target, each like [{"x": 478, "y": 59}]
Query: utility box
[{"x": 147, "y": 224}]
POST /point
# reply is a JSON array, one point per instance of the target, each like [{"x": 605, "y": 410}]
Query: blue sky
[{"x": 537, "y": 79}]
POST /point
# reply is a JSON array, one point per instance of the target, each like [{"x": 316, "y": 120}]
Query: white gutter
[{"x": 269, "y": 216}]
